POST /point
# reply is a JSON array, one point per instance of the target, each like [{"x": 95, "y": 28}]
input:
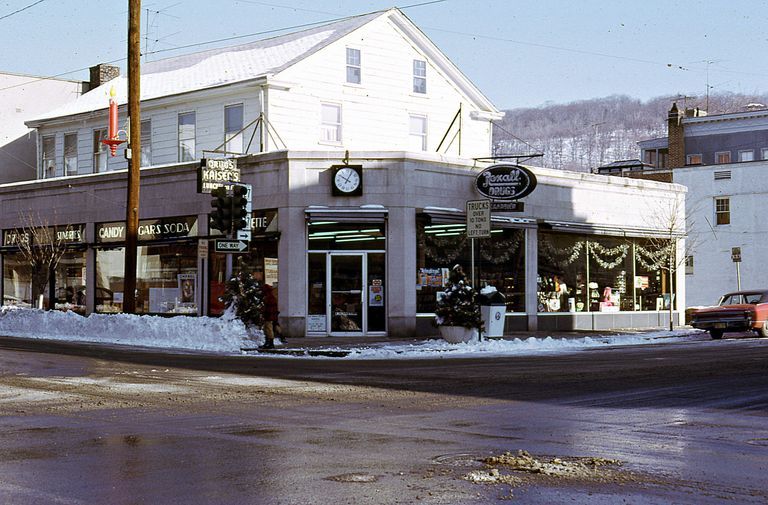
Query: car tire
[
  {"x": 763, "y": 332},
  {"x": 716, "y": 334}
]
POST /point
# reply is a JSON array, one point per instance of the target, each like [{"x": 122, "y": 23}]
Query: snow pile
[
  {"x": 223, "y": 334},
  {"x": 516, "y": 346}
]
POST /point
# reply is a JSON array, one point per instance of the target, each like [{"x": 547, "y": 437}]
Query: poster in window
[
  {"x": 186, "y": 288},
  {"x": 375, "y": 296},
  {"x": 270, "y": 271}
]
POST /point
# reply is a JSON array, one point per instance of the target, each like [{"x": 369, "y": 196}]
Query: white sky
[
  {"x": 228, "y": 336},
  {"x": 520, "y": 53}
]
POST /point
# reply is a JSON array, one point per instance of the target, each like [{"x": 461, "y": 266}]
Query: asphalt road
[{"x": 671, "y": 423}]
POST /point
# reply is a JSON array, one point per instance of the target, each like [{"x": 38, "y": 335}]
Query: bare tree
[
  {"x": 41, "y": 246},
  {"x": 671, "y": 244}
]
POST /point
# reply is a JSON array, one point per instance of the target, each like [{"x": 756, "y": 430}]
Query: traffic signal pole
[{"x": 132, "y": 205}]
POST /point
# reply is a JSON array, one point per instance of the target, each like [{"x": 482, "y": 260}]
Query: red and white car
[{"x": 738, "y": 312}]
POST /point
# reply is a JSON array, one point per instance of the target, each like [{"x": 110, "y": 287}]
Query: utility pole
[{"x": 134, "y": 163}]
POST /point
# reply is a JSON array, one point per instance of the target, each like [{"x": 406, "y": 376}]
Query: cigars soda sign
[{"x": 505, "y": 182}]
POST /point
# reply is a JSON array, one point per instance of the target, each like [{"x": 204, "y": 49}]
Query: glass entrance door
[{"x": 347, "y": 289}]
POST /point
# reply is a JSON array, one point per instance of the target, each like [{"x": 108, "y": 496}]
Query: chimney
[
  {"x": 676, "y": 137},
  {"x": 102, "y": 73}
]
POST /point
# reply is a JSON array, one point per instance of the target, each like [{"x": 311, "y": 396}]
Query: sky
[
  {"x": 520, "y": 53},
  {"x": 227, "y": 335}
]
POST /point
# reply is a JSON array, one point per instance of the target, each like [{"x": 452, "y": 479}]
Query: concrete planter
[{"x": 458, "y": 334}]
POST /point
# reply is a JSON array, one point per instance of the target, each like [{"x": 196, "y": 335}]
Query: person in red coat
[{"x": 270, "y": 316}]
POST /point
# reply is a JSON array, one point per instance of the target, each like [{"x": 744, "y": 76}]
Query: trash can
[{"x": 493, "y": 310}]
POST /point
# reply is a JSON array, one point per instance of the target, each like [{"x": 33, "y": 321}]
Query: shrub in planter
[
  {"x": 458, "y": 304},
  {"x": 243, "y": 296}
]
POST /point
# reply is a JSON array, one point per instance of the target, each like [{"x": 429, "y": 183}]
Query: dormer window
[
  {"x": 353, "y": 66},
  {"x": 419, "y": 76}
]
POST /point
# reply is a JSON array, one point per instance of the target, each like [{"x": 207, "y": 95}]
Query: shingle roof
[{"x": 216, "y": 67}]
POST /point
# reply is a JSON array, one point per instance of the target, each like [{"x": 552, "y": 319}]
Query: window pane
[
  {"x": 70, "y": 154},
  {"x": 764, "y": 152},
  {"x": 49, "y": 156},
  {"x": 419, "y": 76},
  {"x": 746, "y": 155},
  {"x": 146, "y": 143},
  {"x": 187, "y": 136},
  {"x": 353, "y": 66},
  {"x": 353, "y": 75},
  {"x": 99, "y": 151},
  {"x": 330, "y": 128},
  {"x": 353, "y": 57},
  {"x": 723, "y": 157},
  {"x": 233, "y": 123},
  {"x": 418, "y": 133}
]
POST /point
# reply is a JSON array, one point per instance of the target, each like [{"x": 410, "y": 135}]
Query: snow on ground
[{"x": 228, "y": 335}]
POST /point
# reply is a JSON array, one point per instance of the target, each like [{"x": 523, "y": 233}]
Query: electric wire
[{"x": 21, "y": 10}]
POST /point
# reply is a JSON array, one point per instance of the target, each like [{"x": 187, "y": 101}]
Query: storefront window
[
  {"x": 599, "y": 274},
  {"x": 260, "y": 261},
  {"x": 70, "y": 282},
  {"x": 17, "y": 281},
  {"x": 166, "y": 279},
  {"x": 499, "y": 262}
]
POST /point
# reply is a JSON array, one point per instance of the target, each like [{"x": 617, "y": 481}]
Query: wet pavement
[{"x": 687, "y": 422}]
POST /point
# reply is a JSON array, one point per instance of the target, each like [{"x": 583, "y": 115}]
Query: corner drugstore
[{"x": 369, "y": 261}]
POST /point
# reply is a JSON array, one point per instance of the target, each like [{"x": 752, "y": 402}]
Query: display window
[
  {"x": 68, "y": 278},
  {"x": 260, "y": 261},
  {"x": 599, "y": 274},
  {"x": 499, "y": 262},
  {"x": 166, "y": 279}
]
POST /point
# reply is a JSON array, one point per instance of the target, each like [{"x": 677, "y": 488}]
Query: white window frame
[
  {"x": 746, "y": 153},
  {"x": 70, "y": 155},
  {"x": 764, "y": 153},
  {"x": 726, "y": 154},
  {"x": 146, "y": 143},
  {"x": 418, "y": 138},
  {"x": 354, "y": 66},
  {"x": 690, "y": 157},
  {"x": 184, "y": 139},
  {"x": 420, "y": 76},
  {"x": 48, "y": 157},
  {"x": 330, "y": 130},
  {"x": 651, "y": 157},
  {"x": 722, "y": 208},
  {"x": 100, "y": 151},
  {"x": 233, "y": 135}
]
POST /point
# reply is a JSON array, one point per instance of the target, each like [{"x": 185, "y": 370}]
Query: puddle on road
[{"x": 354, "y": 477}]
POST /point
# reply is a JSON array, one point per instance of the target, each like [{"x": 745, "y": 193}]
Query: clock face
[{"x": 346, "y": 180}]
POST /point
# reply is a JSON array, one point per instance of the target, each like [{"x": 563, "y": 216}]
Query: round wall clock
[{"x": 347, "y": 181}]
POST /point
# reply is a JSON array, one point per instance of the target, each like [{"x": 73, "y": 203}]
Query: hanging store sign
[
  {"x": 149, "y": 229},
  {"x": 505, "y": 182},
  {"x": 214, "y": 173}
]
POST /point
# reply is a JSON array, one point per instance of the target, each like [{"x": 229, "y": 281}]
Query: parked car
[{"x": 737, "y": 311}]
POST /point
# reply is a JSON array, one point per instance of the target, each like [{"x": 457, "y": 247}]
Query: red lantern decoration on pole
[{"x": 112, "y": 139}]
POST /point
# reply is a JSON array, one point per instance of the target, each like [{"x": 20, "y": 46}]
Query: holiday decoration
[
  {"x": 244, "y": 294},
  {"x": 458, "y": 306}
]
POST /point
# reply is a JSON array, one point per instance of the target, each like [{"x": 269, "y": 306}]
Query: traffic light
[
  {"x": 239, "y": 204},
  {"x": 221, "y": 217}
]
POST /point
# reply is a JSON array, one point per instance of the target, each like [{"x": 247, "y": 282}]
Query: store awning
[
  {"x": 605, "y": 229},
  {"x": 362, "y": 214},
  {"x": 447, "y": 215}
]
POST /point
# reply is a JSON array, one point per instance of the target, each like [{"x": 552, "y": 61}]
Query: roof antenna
[{"x": 346, "y": 157}]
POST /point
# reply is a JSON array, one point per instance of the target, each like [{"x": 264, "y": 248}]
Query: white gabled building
[
  {"x": 371, "y": 104},
  {"x": 367, "y": 82}
]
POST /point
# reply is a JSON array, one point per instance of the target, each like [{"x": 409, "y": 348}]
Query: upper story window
[
  {"x": 693, "y": 159},
  {"x": 353, "y": 66},
  {"x": 689, "y": 265},
  {"x": 49, "y": 157},
  {"x": 722, "y": 157},
  {"x": 722, "y": 210},
  {"x": 187, "y": 136},
  {"x": 747, "y": 155},
  {"x": 70, "y": 154},
  {"x": 650, "y": 158},
  {"x": 418, "y": 133},
  {"x": 764, "y": 153},
  {"x": 146, "y": 143},
  {"x": 419, "y": 76},
  {"x": 99, "y": 151},
  {"x": 330, "y": 122},
  {"x": 233, "y": 125}
]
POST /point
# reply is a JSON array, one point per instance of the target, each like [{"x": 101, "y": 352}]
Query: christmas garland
[
  {"x": 557, "y": 255},
  {"x": 650, "y": 259},
  {"x": 597, "y": 249},
  {"x": 442, "y": 250},
  {"x": 498, "y": 251}
]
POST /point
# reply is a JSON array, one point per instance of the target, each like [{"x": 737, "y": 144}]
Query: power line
[
  {"x": 497, "y": 125},
  {"x": 48, "y": 77},
  {"x": 22, "y": 9}
]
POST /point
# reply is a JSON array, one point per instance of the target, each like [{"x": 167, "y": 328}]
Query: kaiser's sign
[{"x": 505, "y": 182}]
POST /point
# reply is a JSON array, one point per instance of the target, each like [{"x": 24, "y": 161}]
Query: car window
[{"x": 753, "y": 298}]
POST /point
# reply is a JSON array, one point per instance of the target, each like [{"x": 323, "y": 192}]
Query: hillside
[{"x": 586, "y": 134}]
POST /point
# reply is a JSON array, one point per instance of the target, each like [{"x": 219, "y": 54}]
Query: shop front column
[
  {"x": 401, "y": 273},
  {"x": 292, "y": 271},
  {"x": 531, "y": 276}
]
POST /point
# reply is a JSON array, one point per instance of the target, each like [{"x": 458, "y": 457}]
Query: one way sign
[{"x": 230, "y": 246}]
